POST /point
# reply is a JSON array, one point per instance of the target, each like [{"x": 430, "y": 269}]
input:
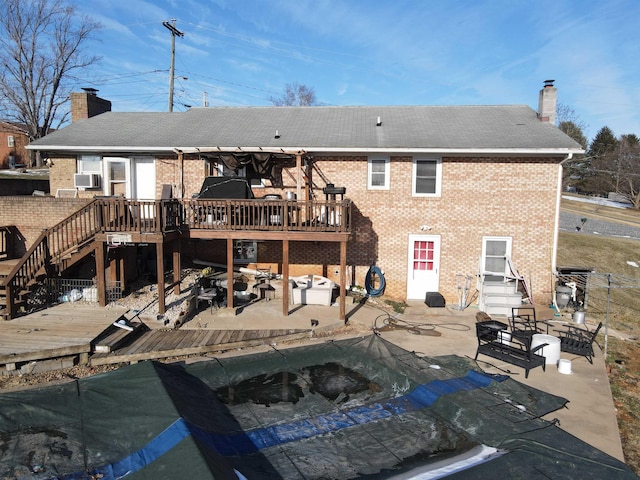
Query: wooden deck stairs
[{"x": 55, "y": 250}]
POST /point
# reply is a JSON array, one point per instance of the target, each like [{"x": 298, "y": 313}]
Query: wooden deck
[
  {"x": 59, "y": 331},
  {"x": 75, "y": 329},
  {"x": 156, "y": 344}
]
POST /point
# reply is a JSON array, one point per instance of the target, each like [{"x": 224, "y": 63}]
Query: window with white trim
[
  {"x": 427, "y": 177},
  {"x": 378, "y": 177},
  {"x": 90, "y": 164},
  {"x": 11, "y": 141}
]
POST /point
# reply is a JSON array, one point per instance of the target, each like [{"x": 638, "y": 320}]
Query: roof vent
[
  {"x": 277, "y": 135},
  {"x": 379, "y": 122}
]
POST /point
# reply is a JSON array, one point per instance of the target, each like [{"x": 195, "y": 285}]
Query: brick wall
[
  {"x": 32, "y": 215},
  {"x": 480, "y": 197}
]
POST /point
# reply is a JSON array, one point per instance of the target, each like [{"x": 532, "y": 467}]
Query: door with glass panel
[
  {"x": 495, "y": 252},
  {"x": 424, "y": 266}
]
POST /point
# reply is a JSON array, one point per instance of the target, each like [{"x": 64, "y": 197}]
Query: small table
[{"x": 551, "y": 351}]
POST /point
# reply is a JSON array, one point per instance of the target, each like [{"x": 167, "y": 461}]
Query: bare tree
[
  {"x": 295, "y": 94},
  {"x": 627, "y": 169},
  {"x": 569, "y": 122},
  {"x": 41, "y": 48}
]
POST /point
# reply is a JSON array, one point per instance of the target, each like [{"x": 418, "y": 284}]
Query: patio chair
[
  {"x": 518, "y": 353},
  {"x": 523, "y": 323},
  {"x": 578, "y": 341}
]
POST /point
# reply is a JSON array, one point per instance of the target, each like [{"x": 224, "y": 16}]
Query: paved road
[{"x": 570, "y": 222}]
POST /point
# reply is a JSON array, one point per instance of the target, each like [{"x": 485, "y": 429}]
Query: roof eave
[
  {"x": 319, "y": 149},
  {"x": 386, "y": 150},
  {"x": 97, "y": 148}
]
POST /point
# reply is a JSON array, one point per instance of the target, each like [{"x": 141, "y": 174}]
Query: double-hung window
[
  {"x": 378, "y": 173},
  {"x": 427, "y": 177}
]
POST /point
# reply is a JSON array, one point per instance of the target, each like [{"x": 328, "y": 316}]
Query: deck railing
[
  {"x": 142, "y": 216},
  {"x": 274, "y": 215}
]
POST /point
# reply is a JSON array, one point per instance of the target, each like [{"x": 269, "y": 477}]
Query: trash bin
[{"x": 563, "y": 295}]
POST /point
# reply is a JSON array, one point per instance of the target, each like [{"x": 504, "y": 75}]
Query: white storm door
[
  {"x": 117, "y": 176},
  {"x": 495, "y": 252},
  {"x": 424, "y": 266}
]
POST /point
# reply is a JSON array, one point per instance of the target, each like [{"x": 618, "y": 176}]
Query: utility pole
[{"x": 174, "y": 31}]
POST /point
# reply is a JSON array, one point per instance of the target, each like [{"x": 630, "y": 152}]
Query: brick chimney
[
  {"x": 87, "y": 104},
  {"x": 547, "y": 102}
]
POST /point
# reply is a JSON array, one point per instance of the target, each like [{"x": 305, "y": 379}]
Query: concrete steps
[{"x": 499, "y": 297}]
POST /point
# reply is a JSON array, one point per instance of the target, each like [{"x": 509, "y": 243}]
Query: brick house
[
  {"x": 13, "y": 140},
  {"x": 438, "y": 193}
]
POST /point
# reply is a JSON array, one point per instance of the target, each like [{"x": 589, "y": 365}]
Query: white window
[
  {"x": 90, "y": 164},
  {"x": 495, "y": 251},
  {"x": 427, "y": 177},
  {"x": 11, "y": 141},
  {"x": 379, "y": 173}
]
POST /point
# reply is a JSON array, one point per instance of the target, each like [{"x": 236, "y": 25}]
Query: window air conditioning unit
[{"x": 86, "y": 180}]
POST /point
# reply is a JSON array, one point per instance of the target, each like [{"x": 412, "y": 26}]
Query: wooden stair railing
[
  {"x": 49, "y": 248},
  {"x": 50, "y": 253}
]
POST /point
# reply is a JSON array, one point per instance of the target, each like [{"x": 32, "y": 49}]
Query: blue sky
[{"x": 413, "y": 52}]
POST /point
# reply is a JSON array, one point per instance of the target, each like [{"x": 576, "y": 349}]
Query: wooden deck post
[
  {"x": 230, "y": 273},
  {"x": 285, "y": 278},
  {"x": 100, "y": 274},
  {"x": 177, "y": 267},
  {"x": 121, "y": 271},
  {"x": 343, "y": 280},
  {"x": 160, "y": 273},
  {"x": 298, "y": 176}
]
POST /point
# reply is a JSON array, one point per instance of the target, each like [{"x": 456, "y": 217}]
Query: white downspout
[{"x": 556, "y": 230}]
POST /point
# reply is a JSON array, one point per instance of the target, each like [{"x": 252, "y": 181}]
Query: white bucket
[{"x": 564, "y": 366}]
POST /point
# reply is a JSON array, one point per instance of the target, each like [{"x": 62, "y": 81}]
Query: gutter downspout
[{"x": 557, "y": 223}]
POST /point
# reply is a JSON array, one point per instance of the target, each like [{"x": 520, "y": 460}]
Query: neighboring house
[
  {"x": 13, "y": 140},
  {"x": 438, "y": 193}
]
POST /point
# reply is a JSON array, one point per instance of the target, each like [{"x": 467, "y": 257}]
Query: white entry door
[{"x": 424, "y": 265}]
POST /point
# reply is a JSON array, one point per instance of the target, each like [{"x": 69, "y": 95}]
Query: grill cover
[{"x": 225, "y": 187}]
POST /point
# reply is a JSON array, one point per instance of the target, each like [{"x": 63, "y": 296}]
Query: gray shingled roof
[{"x": 468, "y": 128}]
